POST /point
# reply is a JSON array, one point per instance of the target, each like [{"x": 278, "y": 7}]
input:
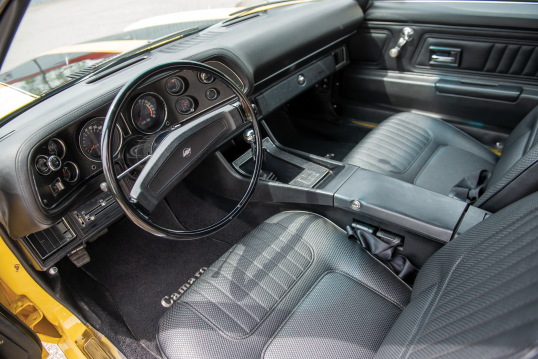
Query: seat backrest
[
  {"x": 516, "y": 174},
  {"x": 477, "y": 296}
]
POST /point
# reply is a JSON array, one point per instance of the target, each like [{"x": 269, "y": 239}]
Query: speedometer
[
  {"x": 149, "y": 113},
  {"x": 90, "y": 139}
]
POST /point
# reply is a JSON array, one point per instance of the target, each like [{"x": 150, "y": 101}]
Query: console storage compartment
[{"x": 282, "y": 166}]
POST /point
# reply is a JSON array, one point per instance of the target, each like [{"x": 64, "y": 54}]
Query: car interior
[{"x": 332, "y": 179}]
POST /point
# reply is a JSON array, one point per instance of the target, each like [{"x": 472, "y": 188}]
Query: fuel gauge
[
  {"x": 56, "y": 148},
  {"x": 70, "y": 172}
]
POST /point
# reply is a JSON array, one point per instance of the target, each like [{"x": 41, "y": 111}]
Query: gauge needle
[
  {"x": 91, "y": 149},
  {"x": 150, "y": 110}
]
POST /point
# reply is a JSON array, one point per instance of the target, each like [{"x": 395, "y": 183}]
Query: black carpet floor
[{"x": 137, "y": 269}]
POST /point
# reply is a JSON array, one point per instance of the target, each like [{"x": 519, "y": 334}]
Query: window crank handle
[{"x": 405, "y": 37}]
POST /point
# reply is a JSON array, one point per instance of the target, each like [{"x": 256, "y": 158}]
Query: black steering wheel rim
[{"x": 135, "y": 212}]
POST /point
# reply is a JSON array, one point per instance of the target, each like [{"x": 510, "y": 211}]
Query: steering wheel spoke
[{"x": 179, "y": 152}]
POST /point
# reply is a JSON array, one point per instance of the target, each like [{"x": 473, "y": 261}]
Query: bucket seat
[
  {"x": 437, "y": 156},
  {"x": 297, "y": 287}
]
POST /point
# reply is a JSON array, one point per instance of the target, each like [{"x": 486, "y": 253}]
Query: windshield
[{"x": 59, "y": 41}]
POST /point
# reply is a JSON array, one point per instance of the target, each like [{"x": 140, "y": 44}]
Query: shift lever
[{"x": 250, "y": 138}]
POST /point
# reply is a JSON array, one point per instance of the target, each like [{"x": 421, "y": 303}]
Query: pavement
[{"x": 44, "y": 26}]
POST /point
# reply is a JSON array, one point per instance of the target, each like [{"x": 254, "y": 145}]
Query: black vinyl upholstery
[
  {"x": 435, "y": 155},
  {"x": 296, "y": 287},
  {"x": 237, "y": 307}
]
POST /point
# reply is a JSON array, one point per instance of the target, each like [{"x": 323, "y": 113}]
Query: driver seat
[{"x": 297, "y": 287}]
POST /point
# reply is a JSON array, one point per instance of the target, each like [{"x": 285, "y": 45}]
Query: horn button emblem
[{"x": 187, "y": 151}]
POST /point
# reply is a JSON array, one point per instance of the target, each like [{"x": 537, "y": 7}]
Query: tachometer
[
  {"x": 90, "y": 139},
  {"x": 149, "y": 113}
]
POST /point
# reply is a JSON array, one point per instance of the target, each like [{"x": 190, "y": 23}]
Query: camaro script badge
[
  {"x": 187, "y": 152},
  {"x": 168, "y": 300}
]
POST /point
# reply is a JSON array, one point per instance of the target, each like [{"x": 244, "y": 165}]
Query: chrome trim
[
  {"x": 52, "y": 168},
  {"x": 199, "y": 76},
  {"x": 76, "y": 170},
  {"x": 182, "y": 80},
  {"x": 165, "y": 113},
  {"x": 193, "y": 108},
  {"x": 46, "y": 162},
  {"x": 62, "y": 144},
  {"x": 128, "y": 170},
  {"x": 118, "y": 128}
]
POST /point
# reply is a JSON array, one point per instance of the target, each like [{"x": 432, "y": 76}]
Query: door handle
[
  {"x": 445, "y": 56},
  {"x": 443, "y": 59}
]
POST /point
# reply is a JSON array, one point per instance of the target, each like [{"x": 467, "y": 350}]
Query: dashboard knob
[{"x": 54, "y": 162}]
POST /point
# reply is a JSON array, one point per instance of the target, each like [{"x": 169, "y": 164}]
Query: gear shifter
[{"x": 250, "y": 138}]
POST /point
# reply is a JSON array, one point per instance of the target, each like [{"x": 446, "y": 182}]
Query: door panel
[
  {"x": 482, "y": 79},
  {"x": 16, "y": 339}
]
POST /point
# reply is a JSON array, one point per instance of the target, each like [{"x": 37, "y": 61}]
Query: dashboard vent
[
  {"x": 188, "y": 42},
  {"x": 51, "y": 239},
  {"x": 85, "y": 71},
  {"x": 237, "y": 20}
]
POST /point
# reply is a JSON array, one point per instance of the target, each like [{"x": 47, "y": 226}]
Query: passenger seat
[{"x": 435, "y": 155}]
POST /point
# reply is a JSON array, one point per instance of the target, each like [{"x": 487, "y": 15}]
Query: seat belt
[
  {"x": 470, "y": 187},
  {"x": 382, "y": 246}
]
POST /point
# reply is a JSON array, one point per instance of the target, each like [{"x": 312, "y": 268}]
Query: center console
[{"x": 422, "y": 219}]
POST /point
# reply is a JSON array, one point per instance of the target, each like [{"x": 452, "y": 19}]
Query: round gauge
[
  {"x": 41, "y": 165},
  {"x": 176, "y": 85},
  {"x": 205, "y": 78},
  {"x": 212, "y": 94},
  {"x": 70, "y": 172},
  {"x": 148, "y": 113},
  {"x": 90, "y": 139},
  {"x": 185, "y": 105},
  {"x": 56, "y": 148},
  {"x": 54, "y": 162}
]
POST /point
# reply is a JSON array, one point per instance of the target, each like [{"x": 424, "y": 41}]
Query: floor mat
[{"x": 139, "y": 269}]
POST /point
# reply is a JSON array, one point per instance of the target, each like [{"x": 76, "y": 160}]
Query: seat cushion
[
  {"x": 422, "y": 150},
  {"x": 477, "y": 297},
  {"x": 293, "y": 276}
]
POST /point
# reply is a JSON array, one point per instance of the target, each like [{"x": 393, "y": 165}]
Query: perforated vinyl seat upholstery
[
  {"x": 296, "y": 287},
  {"x": 436, "y": 155}
]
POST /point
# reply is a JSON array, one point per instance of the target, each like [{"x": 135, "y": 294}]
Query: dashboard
[
  {"x": 51, "y": 183},
  {"x": 70, "y": 158}
]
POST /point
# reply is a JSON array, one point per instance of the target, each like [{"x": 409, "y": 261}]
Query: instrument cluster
[{"x": 65, "y": 161}]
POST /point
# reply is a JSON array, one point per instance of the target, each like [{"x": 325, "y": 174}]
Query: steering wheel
[{"x": 181, "y": 149}]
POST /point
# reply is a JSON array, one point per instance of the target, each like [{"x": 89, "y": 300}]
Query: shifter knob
[{"x": 249, "y": 136}]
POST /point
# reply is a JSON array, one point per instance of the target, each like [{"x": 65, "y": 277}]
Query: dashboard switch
[{"x": 57, "y": 186}]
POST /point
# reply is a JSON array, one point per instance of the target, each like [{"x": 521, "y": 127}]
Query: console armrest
[{"x": 416, "y": 209}]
